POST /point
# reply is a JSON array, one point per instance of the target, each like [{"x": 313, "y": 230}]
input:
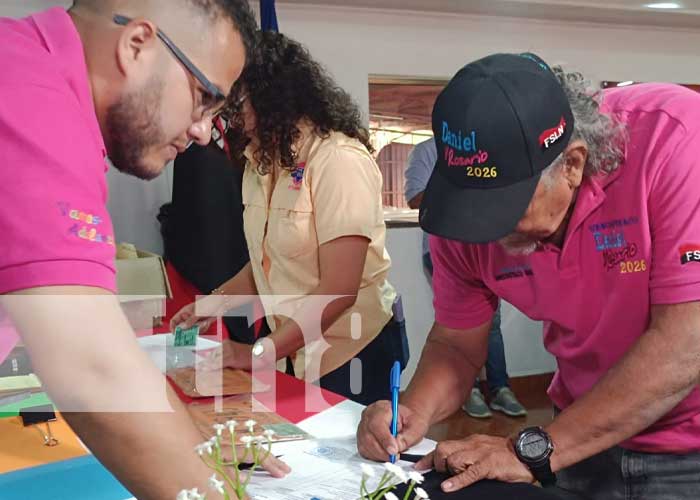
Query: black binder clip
[{"x": 37, "y": 415}]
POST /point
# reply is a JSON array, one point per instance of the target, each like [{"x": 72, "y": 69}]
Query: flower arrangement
[
  {"x": 393, "y": 475},
  {"x": 256, "y": 450}
]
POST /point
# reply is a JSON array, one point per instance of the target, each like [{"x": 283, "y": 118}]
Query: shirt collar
[{"x": 63, "y": 42}]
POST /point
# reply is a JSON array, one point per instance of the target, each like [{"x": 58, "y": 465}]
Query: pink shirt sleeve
[
  {"x": 54, "y": 224},
  {"x": 461, "y": 300},
  {"x": 674, "y": 218}
]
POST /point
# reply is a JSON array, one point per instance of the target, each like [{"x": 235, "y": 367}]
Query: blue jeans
[
  {"x": 619, "y": 474},
  {"x": 496, "y": 371}
]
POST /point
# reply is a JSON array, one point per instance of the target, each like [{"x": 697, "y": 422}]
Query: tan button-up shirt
[{"x": 335, "y": 192}]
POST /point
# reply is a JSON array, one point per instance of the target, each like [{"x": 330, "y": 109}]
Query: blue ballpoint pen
[{"x": 395, "y": 385}]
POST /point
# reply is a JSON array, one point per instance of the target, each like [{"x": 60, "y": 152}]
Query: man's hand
[
  {"x": 273, "y": 465},
  {"x": 374, "y": 439},
  {"x": 475, "y": 458}
]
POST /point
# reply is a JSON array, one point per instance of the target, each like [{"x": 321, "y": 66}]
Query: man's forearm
[
  {"x": 152, "y": 454},
  {"x": 441, "y": 383},
  {"x": 658, "y": 373},
  {"x": 116, "y": 400},
  {"x": 149, "y": 449}
]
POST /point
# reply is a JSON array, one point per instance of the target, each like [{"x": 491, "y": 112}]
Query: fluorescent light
[
  {"x": 387, "y": 117},
  {"x": 625, "y": 84},
  {"x": 664, "y": 5}
]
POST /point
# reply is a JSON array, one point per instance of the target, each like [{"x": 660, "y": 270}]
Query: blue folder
[{"x": 81, "y": 478}]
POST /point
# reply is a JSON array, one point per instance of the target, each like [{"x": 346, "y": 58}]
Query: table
[{"x": 84, "y": 478}]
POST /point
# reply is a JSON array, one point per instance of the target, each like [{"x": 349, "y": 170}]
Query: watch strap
[{"x": 543, "y": 473}]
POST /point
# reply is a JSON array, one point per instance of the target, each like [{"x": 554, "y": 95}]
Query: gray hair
[{"x": 604, "y": 134}]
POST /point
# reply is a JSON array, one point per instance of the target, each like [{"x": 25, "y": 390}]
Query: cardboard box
[{"x": 143, "y": 286}]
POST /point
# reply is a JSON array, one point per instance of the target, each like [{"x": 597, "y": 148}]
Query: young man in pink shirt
[
  {"x": 584, "y": 215},
  {"x": 106, "y": 78}
]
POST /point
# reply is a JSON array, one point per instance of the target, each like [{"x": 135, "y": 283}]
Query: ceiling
[
  {"x": 404, "y": 107},
  {"x": 630, "y": 12}
]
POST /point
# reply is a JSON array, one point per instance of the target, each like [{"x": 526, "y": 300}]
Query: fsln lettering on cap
[{"x": 552, "y": 135}]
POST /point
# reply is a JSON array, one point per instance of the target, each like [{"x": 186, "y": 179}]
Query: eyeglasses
[{"x": 215, "y": 100}]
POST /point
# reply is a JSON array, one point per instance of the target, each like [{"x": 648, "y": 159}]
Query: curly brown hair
[{"x": 284, "y": 85}]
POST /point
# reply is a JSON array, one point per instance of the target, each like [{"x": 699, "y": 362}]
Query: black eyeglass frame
[{"x": 218, "y": 97}]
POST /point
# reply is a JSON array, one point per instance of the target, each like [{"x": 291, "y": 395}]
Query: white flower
[
  {"x": 367, "y": 470},
  {"x": 219, "y": 428},
  {"x": 416, "y": 477},
  {"x": 247, "y": 440},
  {"x": 250, "y": 424},
  {"x": 269, "y": 433},
  {"x": 190, "y": 495},
  {"x": 216, "y": 485},
  {"x": 259, "y": 439},
  {"x": 196, "y": 495},
  {"x": 231, "y": 424},
  {"x": 396, "y": 471},
  {"x": 390, "y": 496},
  {"x": 203, "y": 448},
  {"x": 420, "y": 493}
]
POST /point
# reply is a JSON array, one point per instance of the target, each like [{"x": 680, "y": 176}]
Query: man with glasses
[{"x": 137, "y": 80}]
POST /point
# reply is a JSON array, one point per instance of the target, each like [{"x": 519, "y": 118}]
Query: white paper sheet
[
  {"x": 325, "y": 469},
  {"x": 342, "y": 420},
  {"x": 160, "y": 348}
]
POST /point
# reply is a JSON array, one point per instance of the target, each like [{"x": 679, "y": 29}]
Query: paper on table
[
  {"x": 346, "y": 416},
  {"x": 327, "y": 469},
  {"x": 422, "y": 448},
  {"x": 20, "y": 383},
  {"x": 162, "y": 351}
]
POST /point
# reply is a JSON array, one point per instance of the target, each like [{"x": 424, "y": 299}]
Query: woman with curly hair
[{"x": 314, "y": 226}]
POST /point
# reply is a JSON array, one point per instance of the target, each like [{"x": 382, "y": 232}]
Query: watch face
[{"x": 533, "y": 446}]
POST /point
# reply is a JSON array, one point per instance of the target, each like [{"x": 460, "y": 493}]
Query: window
[{"x": 400, "y": 117}]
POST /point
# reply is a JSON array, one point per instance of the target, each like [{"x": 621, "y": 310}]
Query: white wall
[
  {"x": 522, "y": 337},
  {"x": 134, "y": 205}
]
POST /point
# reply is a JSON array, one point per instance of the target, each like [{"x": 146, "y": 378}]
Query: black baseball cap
[{"x": 498, "y": 124}]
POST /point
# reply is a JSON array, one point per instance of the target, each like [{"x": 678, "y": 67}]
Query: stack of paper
[{"x": 10, "y": 386}]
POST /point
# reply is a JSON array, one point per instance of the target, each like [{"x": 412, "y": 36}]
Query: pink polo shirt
[
  {"x": 633, "y": 241},
  {"x": 54, "y": 224}
]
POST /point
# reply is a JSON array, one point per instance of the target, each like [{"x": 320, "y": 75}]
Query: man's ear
[
  {"x": 137, "y": 46},
  {"x": 575, "y": 158}
]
